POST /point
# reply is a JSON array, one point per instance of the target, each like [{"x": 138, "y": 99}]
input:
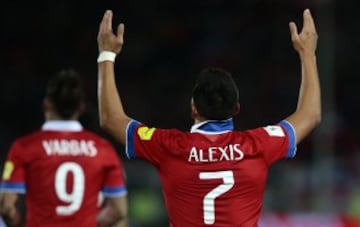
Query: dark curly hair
[
  {"x": 65, "y": 91},
  {"x": 215, "y": 94}
]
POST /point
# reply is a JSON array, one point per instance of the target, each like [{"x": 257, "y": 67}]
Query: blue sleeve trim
[
  {"x": 114, "y": 191},
  {"x": 130, "y": 143},
  {"x": 13, "y": 187},
  {"x": 292, "y": 138}
]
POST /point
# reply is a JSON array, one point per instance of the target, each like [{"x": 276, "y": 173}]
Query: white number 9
[{"x": 76, "y": 195}]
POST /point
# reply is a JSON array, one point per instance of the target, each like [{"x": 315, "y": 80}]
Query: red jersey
[
  {"x": 63, "y": 169},
  {"x": 212, "y": 176}
]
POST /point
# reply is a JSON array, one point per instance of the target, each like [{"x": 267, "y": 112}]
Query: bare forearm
[
  {"x": 107, "y": 218},
  {"x": 111, "y": 112},
  {"x": 309, "y": 97},
  {"x": 109, "y": 100},
  {"x": 12, "y": 218},
  {"x": 121, "y": 223},
  {"x": 308, "y": 112},
  {"x": 114, "y": 213},
  {"x": 8, "y": 209}
]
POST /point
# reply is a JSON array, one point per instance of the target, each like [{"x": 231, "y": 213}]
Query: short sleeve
[
  {"x": 275, "y": 141},
  {"x": 13, "y": 176},
  {"x": 151, "y": 144},
  {"x": 114, "y": 183}
]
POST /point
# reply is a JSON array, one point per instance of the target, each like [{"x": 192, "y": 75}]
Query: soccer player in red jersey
[
  {"x": 63, "y": 168},
  {"x": 212, "y": 175}
]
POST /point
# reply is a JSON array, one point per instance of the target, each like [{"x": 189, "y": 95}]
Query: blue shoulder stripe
[
  {"x": 114, "y": 191},
  {"x": 292, "y": 138},
  {"x": 12, "y": 187},
  {"x": 130, "y": 132}
]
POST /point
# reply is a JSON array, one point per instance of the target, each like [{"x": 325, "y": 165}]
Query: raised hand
[
  {"x": 306, "y": 40},
  {"x": 107, "y": 40}
]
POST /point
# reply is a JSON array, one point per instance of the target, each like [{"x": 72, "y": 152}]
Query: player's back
[
  {"x": 212, "y": 176},
  {"x": 65, "y": 171},
  {"x": 218, "y": 179}
]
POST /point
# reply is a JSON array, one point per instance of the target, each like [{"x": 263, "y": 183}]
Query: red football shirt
[
  {"x": 63, "y": 169},
  {"x": 212, "y": 176}
]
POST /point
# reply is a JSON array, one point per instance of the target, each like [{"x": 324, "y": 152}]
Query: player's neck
[
  {"x": 199, "y": 120},
  {"x": 51, "y": 116}
]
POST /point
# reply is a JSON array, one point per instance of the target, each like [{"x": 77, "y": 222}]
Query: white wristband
[{"x": 106, "y": 56}]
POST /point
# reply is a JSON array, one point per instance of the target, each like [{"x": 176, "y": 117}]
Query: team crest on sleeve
[
  {"x": 274, "y": 130},
  {"x": 145, "y": 133},
  {"x": 8, "y": 169}
]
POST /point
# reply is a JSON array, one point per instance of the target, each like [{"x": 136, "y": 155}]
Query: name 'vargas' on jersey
[
  {"x": 70, "y": 147},
  {"x": 231, "y": 152}
]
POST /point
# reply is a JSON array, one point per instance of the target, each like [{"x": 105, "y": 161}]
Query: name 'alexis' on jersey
[
  {"x": 70, "y": 147},
  {"x": 231, "y": 152}
]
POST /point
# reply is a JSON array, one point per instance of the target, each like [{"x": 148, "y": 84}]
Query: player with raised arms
[
  {"x": 212, "y": 175},
  {"x": 63, "y": 168}
]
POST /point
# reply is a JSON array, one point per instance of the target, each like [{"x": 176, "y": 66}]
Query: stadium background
[{"x": 166, "y": 44}]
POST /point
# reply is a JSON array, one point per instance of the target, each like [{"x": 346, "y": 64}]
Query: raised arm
[
  {"x": 308, "y": 113},
  {"x": 111, "y": 113}
]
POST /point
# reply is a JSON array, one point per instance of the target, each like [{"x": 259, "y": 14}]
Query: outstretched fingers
[
  {"x": 308, "y": 20},
  {"x": 106, "y": 22},
  {"x": 293, "y": 31},
  {"x": 107, "y": 39},
  {"x": 120, "y": 33}
]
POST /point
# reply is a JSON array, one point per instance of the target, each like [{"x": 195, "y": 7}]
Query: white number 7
[{"x": 209, "y": 199}]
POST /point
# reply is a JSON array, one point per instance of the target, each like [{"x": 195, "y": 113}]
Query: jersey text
[
  {"x": 70, "y": 147},
  {"x": 230, "y": 152}
]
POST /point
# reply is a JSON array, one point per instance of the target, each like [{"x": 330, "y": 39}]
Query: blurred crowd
[{"x": 166, "y": 44}]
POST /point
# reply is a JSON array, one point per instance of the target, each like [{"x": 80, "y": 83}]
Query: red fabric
[
  {"x": 38, "y": 163},
  {"x": 192, "y": 165}
]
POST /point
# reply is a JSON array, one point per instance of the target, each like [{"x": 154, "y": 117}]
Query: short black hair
[
  {"x": 66, "y": 93},
  {"x": 215, "y": 94}
]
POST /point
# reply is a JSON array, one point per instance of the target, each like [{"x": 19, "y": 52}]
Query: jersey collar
[
  {"x": 213, "y": 127},
  {"x": 70, "y": 125}
]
